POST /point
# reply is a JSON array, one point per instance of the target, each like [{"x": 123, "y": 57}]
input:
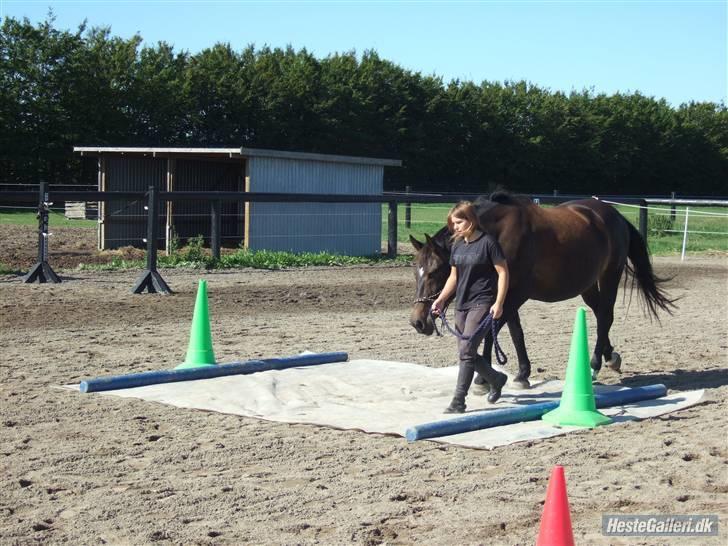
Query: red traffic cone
[{"x": 556, "y": 520}]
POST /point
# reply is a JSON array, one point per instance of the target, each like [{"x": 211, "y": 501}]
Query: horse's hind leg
[
  {"x": 513, "y": 322},
  {"x": 591, "y": 297},
  {"x": 608, "y": 286},
  {"x": 487, "y": 351},
  {"x": 524, "y": 364},
  {"x": 483, "y": 387}
]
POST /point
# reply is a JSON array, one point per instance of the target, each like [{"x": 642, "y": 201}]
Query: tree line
[{"x": 61, "y": 88}]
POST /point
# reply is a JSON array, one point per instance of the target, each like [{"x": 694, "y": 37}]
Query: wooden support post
[
  {"x": 150, "y": 279},
  {"x": 392, "y": 230},
  {"x": 248, "y": 207},
  {"x": 42, "y": 272},
  {"x": 169, "y": 233},
  {"x": 408, "y": 210},
  {"x": 101, "y": 182},
  {"x": 215, "y": 228}
]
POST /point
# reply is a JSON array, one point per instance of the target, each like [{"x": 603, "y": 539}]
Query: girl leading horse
[{"x": 577, "y": 248}]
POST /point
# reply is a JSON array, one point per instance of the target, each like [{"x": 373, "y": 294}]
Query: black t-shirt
[{"x": 477, "y": 278}]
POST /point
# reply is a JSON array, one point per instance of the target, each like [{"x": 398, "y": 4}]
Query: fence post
[
  {"x": 42, "y": 271},
  {"x": 408, "y": 209},
  {"x": 150, "y": 279},
  {"x": 392, "y": 230},
  {"x": 215, "y": 228},
  {"x": 672, "y": 207},
  {"x": 685, "y": 235},
  {"x": 643, "y": 219}
]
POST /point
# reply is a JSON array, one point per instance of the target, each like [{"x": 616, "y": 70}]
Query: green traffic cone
[
  {"x": 199, "y": 352},
  {"x": 577, "y": 406}
]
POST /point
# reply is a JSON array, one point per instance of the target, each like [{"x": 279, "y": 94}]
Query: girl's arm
[
  {"x": 447, "y": 291},
  {"x": 502, "y": 270}
]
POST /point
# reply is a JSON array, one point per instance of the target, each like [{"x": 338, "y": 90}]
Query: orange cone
[{"x": 556, "y": 520}]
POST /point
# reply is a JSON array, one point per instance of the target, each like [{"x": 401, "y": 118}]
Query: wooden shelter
[{"x": 344, "y": 228}]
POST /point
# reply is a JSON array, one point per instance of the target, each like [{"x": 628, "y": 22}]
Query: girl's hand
[
  {"x": 497, "y": 310},
  {"x": 436, "y": 307}
]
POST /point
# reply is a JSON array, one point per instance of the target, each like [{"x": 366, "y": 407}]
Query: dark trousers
[{"x": 466, "y": 322}]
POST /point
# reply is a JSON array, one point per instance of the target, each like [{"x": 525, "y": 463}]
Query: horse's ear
[
  {"x": 441, "y": 250},
  {"x": 416, "y": 243}
]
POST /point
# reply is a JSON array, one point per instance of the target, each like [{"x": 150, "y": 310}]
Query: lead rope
[{"x": 495, "y": 326}]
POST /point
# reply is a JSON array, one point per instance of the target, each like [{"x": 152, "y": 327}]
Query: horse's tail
[{"x": 641, "y": 272}]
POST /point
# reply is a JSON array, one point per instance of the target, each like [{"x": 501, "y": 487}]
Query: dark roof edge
[{"x": 279, "y": 154}]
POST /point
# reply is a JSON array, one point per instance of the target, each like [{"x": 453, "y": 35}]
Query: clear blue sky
[{"x": 675, "y": 50}]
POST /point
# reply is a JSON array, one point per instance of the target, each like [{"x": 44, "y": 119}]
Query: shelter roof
[{"x": 241, "y": 153}]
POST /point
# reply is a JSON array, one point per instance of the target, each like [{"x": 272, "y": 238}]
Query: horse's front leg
[{"x": 591, "y": 298}]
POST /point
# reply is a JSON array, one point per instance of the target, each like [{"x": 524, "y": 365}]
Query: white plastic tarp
[{"x": 378, "y": 396}]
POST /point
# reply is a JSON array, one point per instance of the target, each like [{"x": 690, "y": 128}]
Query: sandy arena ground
[{"x": 91, "y": 469}]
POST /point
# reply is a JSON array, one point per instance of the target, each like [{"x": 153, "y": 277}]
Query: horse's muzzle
[{"x": 421, "y": 320}]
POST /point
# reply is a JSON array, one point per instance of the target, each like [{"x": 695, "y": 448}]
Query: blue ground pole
[
  {"x": 528, "y": 412},
  {"x": 208, "y": 372}
]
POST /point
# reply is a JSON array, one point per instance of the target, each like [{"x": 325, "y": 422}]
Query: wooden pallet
[{"x": 84, "y": 210}]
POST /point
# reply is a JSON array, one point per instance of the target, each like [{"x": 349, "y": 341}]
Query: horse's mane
[
  {"x": 443, "y": 237},
  {"x": 501, "y": 197},
  {"x": 507, "y": 198}
]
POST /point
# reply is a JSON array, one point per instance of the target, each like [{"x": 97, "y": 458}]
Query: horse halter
[{"x": 428, "y": 299}]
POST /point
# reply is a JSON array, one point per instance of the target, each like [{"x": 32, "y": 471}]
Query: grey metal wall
[
  {"x": 125, "y": 223},
  {"x": 343, "y": 228}
]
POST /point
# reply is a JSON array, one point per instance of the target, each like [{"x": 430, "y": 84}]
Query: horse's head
[{"x": 432, "y": 267}]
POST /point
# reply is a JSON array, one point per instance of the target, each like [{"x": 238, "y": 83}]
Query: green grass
[
  {"x": 256, "y": 259},
  {"x": 267, "y": 259},
  {"x": 25, "y": 217},
  {"x": 5, "y": 270},
  {"x": 425, "y": 218},
  {"x": 665, "y": 234},
  {"x": 664, "y": 237},
  {"x": 195, "y": 256}
]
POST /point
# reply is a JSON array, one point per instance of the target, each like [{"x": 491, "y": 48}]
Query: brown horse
[{"x": 553, "y": 254}]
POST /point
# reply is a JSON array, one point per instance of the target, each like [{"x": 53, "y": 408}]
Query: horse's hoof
[
  {"x": 595, "y": 373},
  {"x": 521, "y": 384},
  {"x": 615, "y": 363}
]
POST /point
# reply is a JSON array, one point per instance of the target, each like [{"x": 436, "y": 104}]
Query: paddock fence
[
  {"x": 423, "y": 212},
  {"x": 685, "y": 224}
]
